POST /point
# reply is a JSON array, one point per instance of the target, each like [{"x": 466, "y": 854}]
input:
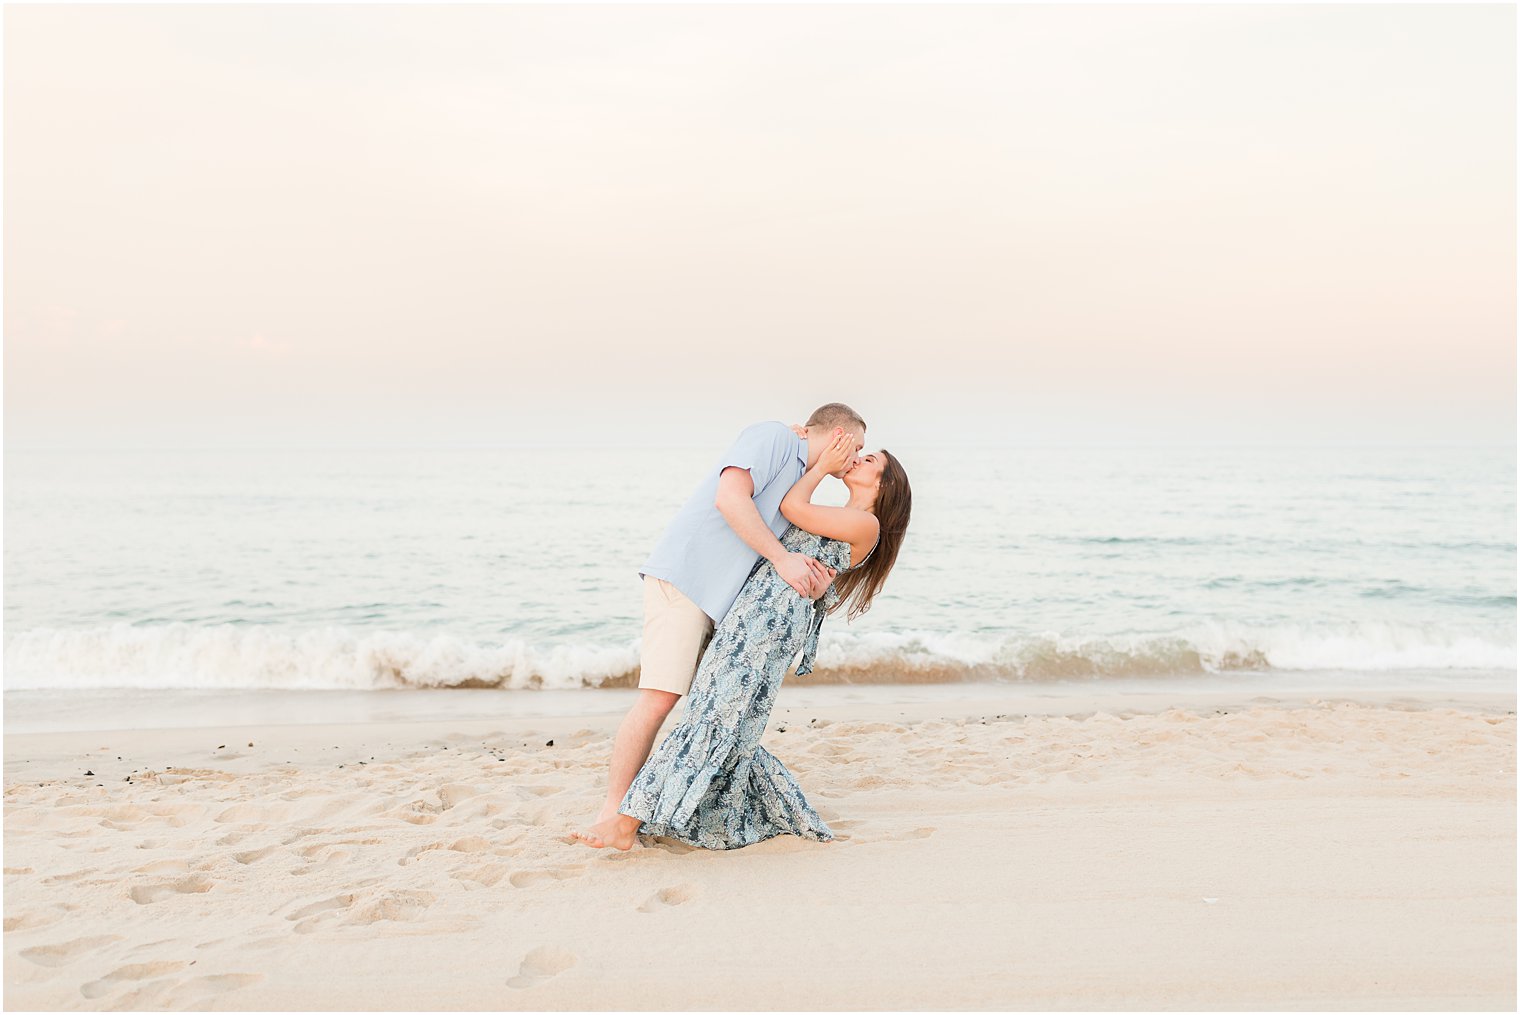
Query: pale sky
[{"x": 291, "y": 225}]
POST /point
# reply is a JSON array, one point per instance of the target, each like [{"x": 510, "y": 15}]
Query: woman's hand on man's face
[{"x": 838, "y": 453}]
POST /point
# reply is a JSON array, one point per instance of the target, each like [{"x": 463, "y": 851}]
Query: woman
[{"x": 710, "y": 783}]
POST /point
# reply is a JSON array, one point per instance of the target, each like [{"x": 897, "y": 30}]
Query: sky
[{"x": 377, "y": 225}]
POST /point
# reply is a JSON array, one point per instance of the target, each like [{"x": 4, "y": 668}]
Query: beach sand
[{"x": 1000, "y": 850}]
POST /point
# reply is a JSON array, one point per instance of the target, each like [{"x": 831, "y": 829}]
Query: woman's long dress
[{"x": 710, "y": 783}]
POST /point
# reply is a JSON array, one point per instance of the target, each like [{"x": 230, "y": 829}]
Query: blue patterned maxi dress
[{"x": 710, "y": 783}]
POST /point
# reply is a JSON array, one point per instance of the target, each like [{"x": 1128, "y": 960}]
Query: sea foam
[{"x": 179, "y": 655}]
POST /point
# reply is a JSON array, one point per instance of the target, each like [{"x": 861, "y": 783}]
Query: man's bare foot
[{"x": 617, "y": 832}]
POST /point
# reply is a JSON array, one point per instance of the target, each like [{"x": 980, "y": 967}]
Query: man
[{"x": 696, "y": 570}]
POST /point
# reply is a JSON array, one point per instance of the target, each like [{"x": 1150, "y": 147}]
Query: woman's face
[{"x": 866, "y": 473}]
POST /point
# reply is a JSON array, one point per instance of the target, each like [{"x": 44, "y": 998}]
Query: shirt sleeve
[{"x": 761, "y": 449}]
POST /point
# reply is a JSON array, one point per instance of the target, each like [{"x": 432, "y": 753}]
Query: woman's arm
[{"x": 852, "y": 525}]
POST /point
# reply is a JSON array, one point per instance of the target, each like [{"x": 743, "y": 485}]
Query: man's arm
[{"x": 736, "y": 503}]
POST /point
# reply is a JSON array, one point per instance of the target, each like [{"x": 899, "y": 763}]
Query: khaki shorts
[{"x": 676, "y": 633}]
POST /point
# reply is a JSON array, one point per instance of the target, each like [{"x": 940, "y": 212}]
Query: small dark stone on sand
[
  {"x": 250, "y": 743},
  {"x": 88, "y": 772},
  {"x": 220, "y": 746},
  {"x": 549, "y": 744}
]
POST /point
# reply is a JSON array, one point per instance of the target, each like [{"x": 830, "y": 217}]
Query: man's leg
[
  {"x": 634, "y": 741},
  {"x": 676, "y": 632},
  {"x": 630, "y": 749}
]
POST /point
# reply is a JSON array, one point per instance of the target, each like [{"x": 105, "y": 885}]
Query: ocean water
[{"x": 517, "y": 568}]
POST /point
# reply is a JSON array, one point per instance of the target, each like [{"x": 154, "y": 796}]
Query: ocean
[{"x": 516, "y": 568}]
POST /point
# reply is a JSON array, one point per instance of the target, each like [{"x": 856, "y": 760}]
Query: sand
[{"x": 997, "y": 851}]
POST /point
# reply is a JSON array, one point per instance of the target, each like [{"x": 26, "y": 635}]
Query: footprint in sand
[
  {"x": 30, "y": 920},
  {"x": 312, "y": 915},
  {"x": 262, "y": 943},
  {"x": 523, "y": 879},
  {"x": 398, "y": 904},
  {"x": 469, "y": 844},
  {"x": 145, "y": 894},
  {"x": 485, "y": 876},
  {"x": 336, "y": 902},
  {"x": 667, "y": 897},
  {"x": 453, "y": 794},
  {"x": 542, "y": 816},
  {"x": 114, "y": 980},
  {"x": 413, "y": 853},
  {"x": 194, "y": 993},
  {"x": 68, "y": 951},
  {"x": 418, "y": 812},
  {"x": 313, "y": 851},
  {"x": 540, "y": 964},
  {"x": 535, "y": 792},
  {"x": 337, "y": 856},
  {"x": 253, "y": 855},
  {"x": 252, "y": 814},
  {"x": 152, "y": 946}
]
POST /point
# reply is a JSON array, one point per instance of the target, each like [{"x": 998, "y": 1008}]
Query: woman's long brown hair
[{"x": 894, "y": 503}]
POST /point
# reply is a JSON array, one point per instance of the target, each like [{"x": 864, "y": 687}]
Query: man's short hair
[{"x": 836, "y": 414}]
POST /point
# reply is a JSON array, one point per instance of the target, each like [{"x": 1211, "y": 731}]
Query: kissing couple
[{"x": 739, "y": 585}]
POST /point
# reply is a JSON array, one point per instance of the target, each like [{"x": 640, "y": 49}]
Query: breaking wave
[{"x": 250, "y": 657}]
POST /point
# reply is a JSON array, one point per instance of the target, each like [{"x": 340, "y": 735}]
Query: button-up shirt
[{"x": 699, "y": 553}]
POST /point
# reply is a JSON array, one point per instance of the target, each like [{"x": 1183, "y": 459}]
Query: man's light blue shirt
[{"x": 699, "y": 554}]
